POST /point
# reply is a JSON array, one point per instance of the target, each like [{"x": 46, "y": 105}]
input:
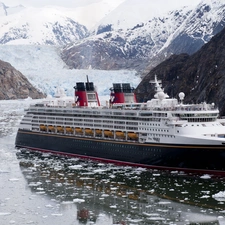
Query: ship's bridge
[{"x": 167, "y": 104}]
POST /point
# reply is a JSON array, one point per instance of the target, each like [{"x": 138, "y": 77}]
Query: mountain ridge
[
  {"x": 140, "y": 46},
  {"x": 146, "y": 44},
  {"x": 200, "y": 76},
  {"x": 52, "y": 28}
]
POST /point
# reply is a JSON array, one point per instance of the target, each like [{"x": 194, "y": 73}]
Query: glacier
[{"x": 44, "y": 68}]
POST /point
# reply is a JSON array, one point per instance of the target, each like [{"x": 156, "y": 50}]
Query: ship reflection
[
  {"x": 100, "y": 189},
  {"x": 84, "y": 215}
]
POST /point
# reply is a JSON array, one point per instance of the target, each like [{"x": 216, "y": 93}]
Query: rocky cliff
[
  {"x": 13, "y": 85},
  {"x": 200, "y": 76}
]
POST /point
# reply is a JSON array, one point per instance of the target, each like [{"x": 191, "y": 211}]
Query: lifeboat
[
  {"x": 108, "y": 133},
  {"x": 132, "y": 135},
  {"x": 69, "y": 130},
  {"x": 60, "y": 129},
  {"x": 120, "y": 134},
  {"x": 88, "y": 131},
  {"x": 98, "y": 131},
  {"x": 51, "y": 128},
  {"x": 78, "y": 130},
  {"x": 42, "y": 127}
]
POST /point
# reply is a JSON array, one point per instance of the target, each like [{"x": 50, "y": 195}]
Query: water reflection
[{"x": 122, "y": 195}]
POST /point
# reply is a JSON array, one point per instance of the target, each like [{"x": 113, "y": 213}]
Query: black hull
[{"x": 190, "y": 158}]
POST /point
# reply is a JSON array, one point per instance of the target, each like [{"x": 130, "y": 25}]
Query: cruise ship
[{"x": 162, "y": 133}]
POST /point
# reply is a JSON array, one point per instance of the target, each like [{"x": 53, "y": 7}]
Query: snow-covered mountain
[
  {"x": 203, "y": 22},
  {"x": 50, "y": 25},
  {"x": 128, "y": 34},
  {"x": 39, "y": 26},
  {"x": 114, "y": 47},
  {"x": 116, "y": 44},
  {"x": 132, "y": 12}
]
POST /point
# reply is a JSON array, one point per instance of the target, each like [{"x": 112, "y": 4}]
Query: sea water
[{"x": 46, "y": 189}]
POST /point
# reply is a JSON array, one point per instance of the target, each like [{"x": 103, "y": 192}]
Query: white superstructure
[{"x": 161, "y": 120}]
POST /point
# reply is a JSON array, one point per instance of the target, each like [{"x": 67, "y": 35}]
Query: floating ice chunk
[
  {"x": 13, "y": 179},
  {"x": 151, "y": 214},
  {"x": 105, "y": 195},
  {"x": 156, "y": 174},
  {"x": 57, "y": 214},
  {"x": 66, "y": 202},
  {"x": 156, "y": 219},
  {"x": 113, "y": 188},
  {"x": 86, "y": 178},
  {"x": 205, "y": 196},
  {"x": 40, "y": 192},
  {"x": 206, "y": 176},
  {"x": 220, "y": 196},
  {"x": 135, "y": 220},
  {"x": 206, "y": 192},
  {"x": 4, "y": 213},
  {"x": 33, "y": 184},
  {"x": 58, "y": 184},
  {"x": 99, "y": 171},
  {"x": 75, "y": 167},
  {"x": 46, "y": 155},
  {"x": 49, "y": 206},
  {"x": 30, "y": 222},
  {"x": 163, "y": 203},
  {"x": 141, "y": 169},
  {"x": 78, "y": 200},
  {"x": 40, "y": 189}
]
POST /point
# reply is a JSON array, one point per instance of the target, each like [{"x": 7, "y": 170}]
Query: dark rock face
[
  {"x": 200, "y": 76},
  {"x": 99, "y": 54},
  {"x": 13, "y": 85}
]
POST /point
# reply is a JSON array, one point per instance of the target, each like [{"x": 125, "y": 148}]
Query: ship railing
[{"x": 194, "y": 107}]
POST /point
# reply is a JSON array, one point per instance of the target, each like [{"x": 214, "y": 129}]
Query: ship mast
[{"x": 158, "y": 89}]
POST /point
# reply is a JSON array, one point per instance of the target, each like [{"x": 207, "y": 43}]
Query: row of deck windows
[
  {"x": 159, "y": 130},
  {"x": 52, "y": 119},
  {"x": 47, "y": 115},
  {"x": 162, "y": 135}
]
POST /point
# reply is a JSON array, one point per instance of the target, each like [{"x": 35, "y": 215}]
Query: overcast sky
[{"x": 74, "y": 3}]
